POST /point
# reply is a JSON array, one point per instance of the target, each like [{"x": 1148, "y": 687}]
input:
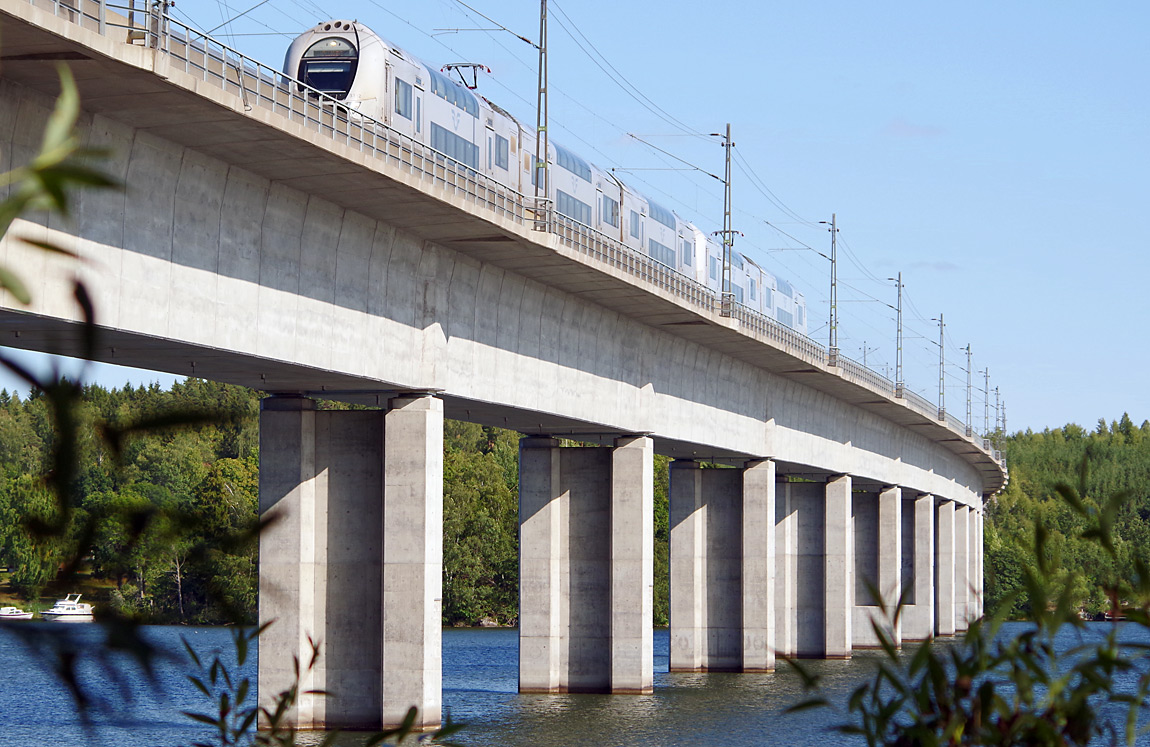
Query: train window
[
  {"x": 573, "y": 208},
  {"x": 738, "y": 293},
  {"x": 661, "y": 214},
  {"x": 448, "y": 90},
  {"x": 329, "y": 66},
  {"x": 573, "y": 163},
  {"x": 635, "y": 226},
  {"x": 736, "y": 260},
  {"x": 785, "y": 317},
  {"x": 403, "y": 98},
  {"x": 714, "y": 268},
  {"x": 799, "y": 315},
  {"x": 453, "y": 146},
  {"x": 785, "y": 288},
  {"x": 418, "y": 113},
  {"x": 687, "y": 252},
  {"x": 610, "y": 211},
  {"x": 661, "y": 253},
  {"x": 751, "y": 287},
  {"x": 767, "y": 300},
  {"x": 502, "y": 152}
]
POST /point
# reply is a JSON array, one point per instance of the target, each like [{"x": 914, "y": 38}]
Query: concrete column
[
  {"x": 413, "y": 560},
  {"x": 865, "y": 539},
  {"x": 944, "y": 613},
  {"x": 786, "y": 571},
  {"x": 542, "y": 513},
  {"x": 321, "y": 576},
  {"x": 918, "y": 618},
  {"x": 706, "y": 568},
  {"x": 632, "y": 564},
  {"x": 838, "y": 556},
  {"x": 980, "y": 548},
  {"x": 962, "y": 574},
  {"x": 890, "y": 557},
  {"x": 688, "y": 569},
  {"x": 586, "y": 563},
  {"x": 808, "y": 505},
  {"x": 758, "y": 572}
]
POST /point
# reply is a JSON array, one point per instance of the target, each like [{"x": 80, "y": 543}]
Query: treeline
[
  {"x": 1111, "y": 459},
  {"x": 177, "y": 507},
  {"x": 165, "y": 520}
]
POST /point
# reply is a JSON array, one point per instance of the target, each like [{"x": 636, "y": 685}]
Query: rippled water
[{"x": 479, "y": 688}]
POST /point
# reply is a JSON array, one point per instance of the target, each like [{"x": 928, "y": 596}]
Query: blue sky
[{"x": 994, "y": 153}]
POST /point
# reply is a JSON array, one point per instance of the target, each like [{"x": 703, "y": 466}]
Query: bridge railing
[
  {"x": 781, "y": 335},
  {"x": 603, "y": 248},
  {"x": 854, "y": 371},
  {"x": 260, "y": 86}
]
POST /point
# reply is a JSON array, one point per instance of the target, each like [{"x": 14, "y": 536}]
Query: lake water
[{"x": 135, "y": 709}]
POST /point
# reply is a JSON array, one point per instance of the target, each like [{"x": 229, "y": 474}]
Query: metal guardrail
[
  {"x": 260, "y": 86},
  {"x": 860, "y": 374},
  {"x": 778, "y": 333},
  {"x": 598, "y": 245}
]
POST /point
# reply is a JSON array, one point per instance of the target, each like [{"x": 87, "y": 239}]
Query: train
[{"x": 375, "y": 80}]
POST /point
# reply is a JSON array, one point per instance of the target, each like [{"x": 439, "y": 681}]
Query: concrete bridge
[{"x": 264, "y": 240}]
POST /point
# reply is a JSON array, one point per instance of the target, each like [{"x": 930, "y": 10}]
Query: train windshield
[{"x": 329, "y": 66}]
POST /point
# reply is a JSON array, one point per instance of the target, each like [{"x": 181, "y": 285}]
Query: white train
[{"x": 352, "y": 64}]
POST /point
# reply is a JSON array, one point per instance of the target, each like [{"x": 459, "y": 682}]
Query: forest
[
  {"x": 1109, "y": 467},
  {"x": 176, "y": 509}
]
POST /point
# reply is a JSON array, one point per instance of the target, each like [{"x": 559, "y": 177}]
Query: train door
[
  {"x": 489, "y": 160},
  {"x": 419, "y": 110},
  {"x": 402, "y": 103}
]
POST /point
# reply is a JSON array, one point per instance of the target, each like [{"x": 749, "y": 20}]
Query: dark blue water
[{"x": 134, "y": 708}]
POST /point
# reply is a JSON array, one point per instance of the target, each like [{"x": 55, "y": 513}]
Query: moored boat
[
  {"x": 14, "y": 613},
  {"x": 69, "y": 609}
]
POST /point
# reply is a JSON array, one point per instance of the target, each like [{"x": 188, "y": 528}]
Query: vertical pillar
[
  {"x": 962, "y": 574},
  {"x": 918, "y": 619},
  {"x": 980, "y": 548},
  {"x": 838, "y": 555},
  {"x": 412, "y": 560},
  {"x": 786, "y": 570},
  {"x": 890, "y": 557},
  {"x": 808, "y": 501},
  {"x": 944, "y": 570},
  {"x": 632, "y": 564},
  {"x": 287, "y": 566},
  {"x": 758, "y": 576},
  {"x": 707, "y": 573},
  {"x": 687, "y": 561},
  {"x": 353, "y": 561},
  {"x": 542, "y": 508},
  {"x": 865, "y": 539},
  {"x": 586, "y": 567}
]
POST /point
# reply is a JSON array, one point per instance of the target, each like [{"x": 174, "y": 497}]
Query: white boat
[
  {"x": 69, "y": 609},
  {"x": 14, "y": 613}
]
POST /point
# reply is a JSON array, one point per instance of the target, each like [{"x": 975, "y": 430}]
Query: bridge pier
[
  {"x": 918, "y": 614},
  {"x": 962, "y": 575},
  {"x": 586, "y": 567},
  {"x": 722, "y": 567},
  {"x": 944, "y": 614},
  {"x": 839, "y": 559},
  {"x": 353, "y": 560},
  {"x": 878, "y": 530},
  {"x": 980, "y": 554}
]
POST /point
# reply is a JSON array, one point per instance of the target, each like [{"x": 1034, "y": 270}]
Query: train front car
[{"x": 344, "y": 60}]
